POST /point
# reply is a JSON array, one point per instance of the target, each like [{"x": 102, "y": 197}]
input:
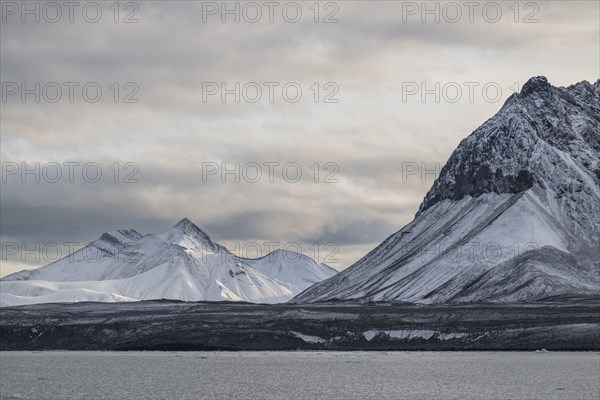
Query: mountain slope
[
  {"x": 513, "y": 216},
  {"x": 296, "y": 270},
  {"x": 182, "y": 263}
]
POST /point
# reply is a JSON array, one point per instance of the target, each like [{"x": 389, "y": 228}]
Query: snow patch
[{"x": 308, "y": 338}]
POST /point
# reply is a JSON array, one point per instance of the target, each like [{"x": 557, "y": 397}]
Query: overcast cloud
[{"x": 363, "y": 141}]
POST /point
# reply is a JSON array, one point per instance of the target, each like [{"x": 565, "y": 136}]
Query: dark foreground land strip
[{"x": 171, "y": 325}]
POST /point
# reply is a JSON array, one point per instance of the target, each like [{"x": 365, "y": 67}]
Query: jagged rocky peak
[
  {"x": 537, "y": 84},
  {"x": 524, "y": 145}
]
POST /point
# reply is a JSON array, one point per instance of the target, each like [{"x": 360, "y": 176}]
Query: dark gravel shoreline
[{"x": 179, "y": 326}]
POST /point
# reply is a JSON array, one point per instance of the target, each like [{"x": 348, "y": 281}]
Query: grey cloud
[{"x": 170, "y": 132}]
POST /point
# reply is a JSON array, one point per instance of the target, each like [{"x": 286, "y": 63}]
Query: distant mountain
[
  {"x": 514, "y": 215},
  {"x": 297, "y": 271},
  {"x": 182, "y": 263}
]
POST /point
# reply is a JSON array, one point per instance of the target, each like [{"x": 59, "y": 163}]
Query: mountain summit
[
  {"x": 526, "y": 143},
  {"x": 513, "y": 215},
  {"x": 181, "y": 263},
  {"x": 188, "y": 235}
]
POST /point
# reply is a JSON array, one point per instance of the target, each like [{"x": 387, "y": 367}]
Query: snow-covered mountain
[
  {"x": 514, "y": 215},
  {"x": 182, "y": 263},
  {"x": 306, "y": 272}
]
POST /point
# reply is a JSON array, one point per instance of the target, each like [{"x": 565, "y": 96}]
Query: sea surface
[{"x": 299, "y": 375}]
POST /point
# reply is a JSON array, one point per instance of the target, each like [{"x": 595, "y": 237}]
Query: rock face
[
  {"x": 514, "y": 215},
  {"x": 534, "y": 139},
  {"x": 182, "y": 263}
]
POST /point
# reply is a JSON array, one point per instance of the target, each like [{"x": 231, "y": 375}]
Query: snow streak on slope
[
  {"x": 182, "y": 263},
  {"x": 513, "y": 216}
]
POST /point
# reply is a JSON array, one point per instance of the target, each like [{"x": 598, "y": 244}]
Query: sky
[{"x": 316, "y": 127}]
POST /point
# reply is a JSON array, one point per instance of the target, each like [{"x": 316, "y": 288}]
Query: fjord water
[{"x": 299, "y": 375}]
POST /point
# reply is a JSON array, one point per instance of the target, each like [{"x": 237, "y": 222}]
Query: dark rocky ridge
[{"x": 481, "y": 162}]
